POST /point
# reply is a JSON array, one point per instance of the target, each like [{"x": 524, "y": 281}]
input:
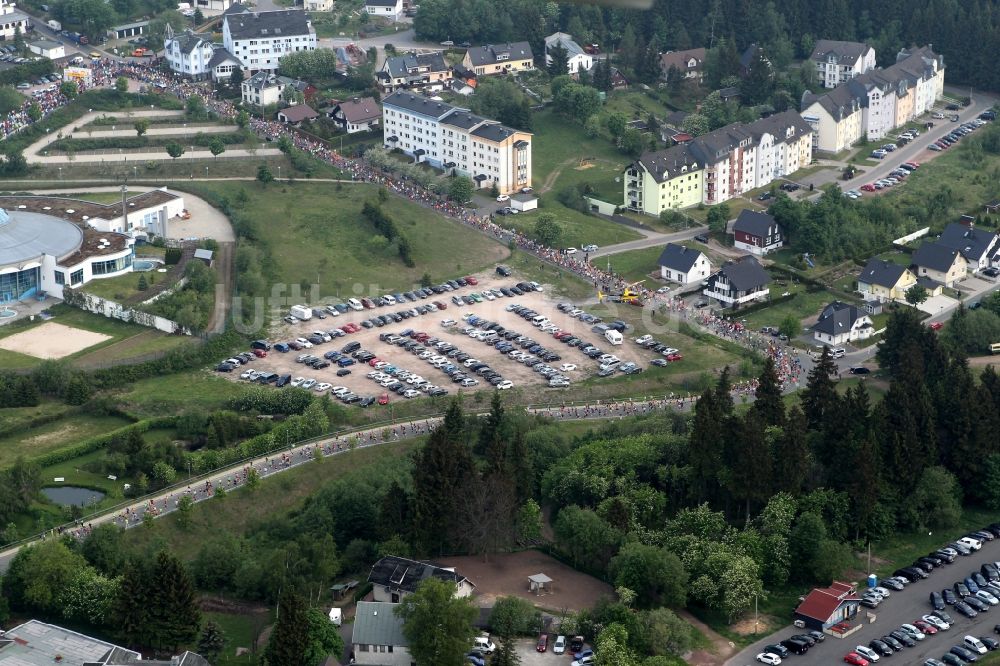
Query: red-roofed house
[
  {"x": 294, "y": 115},
  {"x": 824, "y": 607},
  {"x": 357, "y": 115}
]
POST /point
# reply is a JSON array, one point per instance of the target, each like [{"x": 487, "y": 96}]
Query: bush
[
  {"x": 103, "y": 441},
  {"x": 172, "y": 256}
]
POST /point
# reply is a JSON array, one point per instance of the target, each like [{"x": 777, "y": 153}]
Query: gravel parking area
[{"x": 430, "y": 323}]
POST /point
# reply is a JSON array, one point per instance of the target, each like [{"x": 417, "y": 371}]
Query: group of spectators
[{"x": 786, "y": 358}]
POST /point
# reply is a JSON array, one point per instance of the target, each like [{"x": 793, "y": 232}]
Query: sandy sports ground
[
  {"x": 522, "y": 376},
  {"x": 52, "y": 340}
]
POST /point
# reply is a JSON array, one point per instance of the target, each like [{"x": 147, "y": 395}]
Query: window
[
  {"x": 76, "y": 277},
  {"x": 60, "y": 277}
]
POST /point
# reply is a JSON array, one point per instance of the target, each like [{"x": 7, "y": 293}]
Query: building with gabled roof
[
  {"x": 196, "y": 56},
  {"x": 414, "y": 71},
  {"x": 976, "y": 245},
  {"x": 456, "y": 140},
  {"x": 756, "y": 232},
  {"x": 260, "y": 39},
  {"x": 824, "y": 607},
  {"x": 294, "y": 115},
  {"x": 377, "y": 636},
  {"x": 840, "y": 323},
  {"x": 393, "y": 578},
  {"x": 739, "y": 282},
  {"x": 684, "y": 265},
  {"x": 390, "y": 9},
  {"x": 12, "y": 21},
  {"x": 690, "y": 63},
  {"x": 939, "y": 263},
  {"x": 882, "y": 280},
  {"x": 838, "y": 62},
  {"x": 506, "y": 58},
  {"x": 577, "y": 60},
  {"x": 357, "y": 115}
]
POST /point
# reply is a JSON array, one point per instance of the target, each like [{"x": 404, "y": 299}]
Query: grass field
[
  {"x": 578, "y": 229},
  {"x": 805, "y": 304},
  {"x": 634, "y": 265},
  {"x": 323, "y": 239},
  {"x": 240, "y": 630},
  {"x": 33, "y": 442},
  {"x": 151, "y": 341},
  {"x": 118, "y": 288},
  {"x": 173, "y": 394},
  {"x": 560, "y": 145}
]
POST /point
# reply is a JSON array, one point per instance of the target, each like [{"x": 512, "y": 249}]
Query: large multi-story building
[
  {"x": 719, "y": 165},
  {"x": 871, "y": 105},
  {"x": 260, "y": 39},
  {"x": 12, "y": 21},
  {"x": 197, "y": 57},
  {"x": 454, "y": 139},
  {"x": 839, "y": 62}
]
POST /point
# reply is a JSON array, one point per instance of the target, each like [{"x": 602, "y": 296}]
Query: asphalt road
[{"x": 902, "y": 607}]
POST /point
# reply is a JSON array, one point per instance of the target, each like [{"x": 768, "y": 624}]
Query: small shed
[
  {"x": 539, "y": 584},
  {"x": 47, "y": 49},
  {"x": 993, "y": 207},
  {"x": 294, "y": 115},
  {"x": 524, "y": 202},
  {"x": 204, "y": 255}
]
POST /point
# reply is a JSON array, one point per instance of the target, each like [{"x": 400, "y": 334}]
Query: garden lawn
[
  {"x": 634, "y": 104},
  {"x": 560, "y": 144},
  {"x": 240, "y": 631},
  {"x": 118, "y": 288},
  {"x": 323, "y": 239},
  {"x": 805, "y": 304},
  {"x": 67, "y": 431},
  {"x": 634, "y": 265},
  {"x": 578, "y": 229}
]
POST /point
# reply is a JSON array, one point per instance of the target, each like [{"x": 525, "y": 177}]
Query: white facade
[
  {"x": 12, "y": 20},
  {"x": 47, "y": 49},
  {"x": 318, "y": 5},
  {"x": 577, "y": 60},
  {"x": 262, "y": 89},
  {"x": 391, "y": 9},
  {"x": 840, "y": 65},
  {"x": 189, "y": 55},
  {"x": 260, "y": 39},
  {"x": 699, "y": 272}
]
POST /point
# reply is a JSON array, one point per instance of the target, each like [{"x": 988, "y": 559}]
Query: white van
[
  {"x": 301, "y": 312},
  {"x": 613, "y": 336},
  {"x": 483, "y": 643},
  {"x": 336, "y": 616},
  {"x": 974, "y": 644},
  {"x": 389, "y": 299},
  {"x": 839, "y": 352},
  {"x": 539, "y": 321},
  {"x": 355, "y": 304}
]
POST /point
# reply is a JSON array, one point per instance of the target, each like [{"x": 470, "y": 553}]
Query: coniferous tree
[
  {"x": 394, "y": 512},
  {"x": 211, "y": 642},
  {"x": 820, "y": 396},
  {"x": 289, "y": 641},
  {"x": 791, "y": 453},
  {"x": 559, "y": 63},
  {"x": 174, "y": 617},
  {"x": 769, "y": 403},
  {"x": 705, "y": 447},
  {"x": 131, "y": 607},
  {"x": 491, "y": 442},
  {"x": 748, "y": 463},
  {"x": 957, "y": 429}
]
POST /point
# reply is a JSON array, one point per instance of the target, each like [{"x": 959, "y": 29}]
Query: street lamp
[{"x": 279, "y": 172}]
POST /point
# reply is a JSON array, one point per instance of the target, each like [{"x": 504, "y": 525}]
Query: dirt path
[
  {"x": 550, "y": 180},
  {"x": 721, "y": 648},
  {"x": 223, "y": 265}
]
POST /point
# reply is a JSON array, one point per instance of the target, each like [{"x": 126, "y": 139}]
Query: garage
[{"x": 523, "y": 202}]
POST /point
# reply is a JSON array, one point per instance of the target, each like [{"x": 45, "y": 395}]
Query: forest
[
  {"x": 785, "y": 29},
  {"x": 702, "y": 510}
]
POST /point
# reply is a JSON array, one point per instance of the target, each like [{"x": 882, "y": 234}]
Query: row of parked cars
[
  {"x": 670, "y": 353},
  {"x": 462, "y": 368},
  {"x": 895, "y": 177},
  {"x": 506, "y": 341},
  {"x": 955, "y": 135}
]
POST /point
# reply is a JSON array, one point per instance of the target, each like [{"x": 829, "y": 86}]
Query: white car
[
  {"x": 566, "y": 367},
  {"x": 297, "y": 381},
  {"x": 247, "y": 374},
  {"x": 663, "y": 290},
  {"x": 590, "y": 248},
  {"x": 867, "y": 653},
  {"x": 569, "y": 250},
  {"x": 559, "y": 646},
  {"x": 502, "y": 198},
  {"x": 410, "y": 393},
  {"x": 308, "y": 384},
  {"x": 505, "y": 384},
  {"x": 768, "y": 658},
  {"x": 305, "y": 343},
  {"x": 987, "y": 597},
  {"x": 974, "y": 644},
  {"x": 936, "y": 622},
  {"x": 322, "y": 386},
  {"x": 913, "y": 632},
  {"x": 585, "y": 661},
  {"x": 881, "y": 590},
  {"x": 972, "y": 544}
]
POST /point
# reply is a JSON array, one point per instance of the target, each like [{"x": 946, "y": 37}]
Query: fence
[
  {"x": 903, "y": 240},
  {"x": 113, "y": 310}
]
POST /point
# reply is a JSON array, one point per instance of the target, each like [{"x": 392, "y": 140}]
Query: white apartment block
[
  {"x": 873, "y": 104},
  {"x": 260, "y": 39},
  {"x": 839, "y": 62},
  {"x": 456, "y": 140}
]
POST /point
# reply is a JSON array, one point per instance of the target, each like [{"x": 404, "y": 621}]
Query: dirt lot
[
  {"x": 52, "y": 340},
  {"x": 507, "y": 574},
  {"x": 430, "y": 323}
]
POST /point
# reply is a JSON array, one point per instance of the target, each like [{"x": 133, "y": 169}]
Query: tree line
[{"x": 389, "y": 230}]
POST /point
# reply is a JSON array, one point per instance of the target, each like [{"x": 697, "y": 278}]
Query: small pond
[{"x": 72, "y": 495}]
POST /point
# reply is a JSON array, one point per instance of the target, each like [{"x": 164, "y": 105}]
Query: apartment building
[
  {"x": 414, "y": 71},
  {"x": 719, "y": 165},
  {"x": 871, "y": 105},
  {"x": 499, "y": 59},
  {"x": 260, "y": 39},
  {"x": 838, "y": 62},
  {"x": 455, "y": 140}
]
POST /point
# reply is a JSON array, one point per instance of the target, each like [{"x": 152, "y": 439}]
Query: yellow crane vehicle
[{"x": 630, "y": 294}]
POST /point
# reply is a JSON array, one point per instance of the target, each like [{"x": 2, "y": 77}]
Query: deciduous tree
[{"x": 437, "y": 624}]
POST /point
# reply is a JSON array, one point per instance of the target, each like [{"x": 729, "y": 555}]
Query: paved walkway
[
  {"x": 649, "y": 239},
  {"x": 180, "y": 130}
]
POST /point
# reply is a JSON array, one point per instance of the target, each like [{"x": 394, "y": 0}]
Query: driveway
[
  {"x": 937, "y": 304},
  {"x": 902, "y": 607}
]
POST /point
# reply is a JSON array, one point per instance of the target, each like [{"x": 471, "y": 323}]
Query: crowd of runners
[{"x": 786, "y": 358}]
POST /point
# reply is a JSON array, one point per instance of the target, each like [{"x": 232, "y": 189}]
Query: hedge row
[
  {"x": 793, "y": 274},
  {"x": 207, "y": 460},
  {"x": 132, "y": 142},
  {"x": 99, "y": 442},
  {"x": 35, "y": 422}
]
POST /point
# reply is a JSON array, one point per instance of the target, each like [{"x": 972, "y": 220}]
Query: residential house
[
  {"x": 739, "y": 282},
  {"x": 940, "y": 263},
  {"x": 390, "y": 9},
  {"x": 260, "y": 39},
  {"x": 197, "y": 57},
  {"x": 577, "y": 60},
  {"x": 684, "y": 265},
  {"x": 872, "y": 104},
  {"x": 295, "y": 115},
  {"x": 414, "y": 71},
  {"x": 993, "y": 207},
  {"x": 720, "y": 165},
  {"x": 839, "y": 62},
  {"x": 882, "y": 280},
  {"x": 824, "y": 607},
  {"x": 318, "y": 5},
  {"x": 377, "y": 636},
  {"x": 618, "y": 80},
  {"x": 358, "y": 115},
  {"x": 977, "y": 246},
  {"x": 840, "y": 323},
  {"x": 266, "y": 89},
  {"x": 12, "y": 21},
  {"x": 454, "y": 139},
  {"x": 499, "y": 58},
  {"x": 393, "y": 578},
  {"x": 689, "y": 63},
  {"x": 757, "y": 233},
  {"x": 749, "y": 58}
]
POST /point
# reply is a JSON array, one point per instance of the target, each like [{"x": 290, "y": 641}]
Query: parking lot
[
  {"x": 904, "y": 606},
  {"x": 572, "y": 363}
]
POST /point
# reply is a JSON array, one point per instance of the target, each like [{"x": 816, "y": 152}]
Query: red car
[
  {"x": 383, "y": 399},
  {"x": 439, "y": 305},
  {"x": 674, "y": 357},
  {"x": 260, "y": 353},
  {"x": 471, "y": 280},
  {"x": 543, "y": 643},
  {"x": 855, "y": 659},
  {"x": 374, "y": 361},
  {"x": 925, "y": 627},
  {"x": 937, "y": 326},
  {"x": 868, "y": 188},
  {"x": 915, "y": 165}
]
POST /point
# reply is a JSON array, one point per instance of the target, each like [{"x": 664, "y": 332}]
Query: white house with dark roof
[
  {"x": 390, "y": 9},
  {"x": 377, "y": 636},
  {"x": 939, "y": 263},
  {"x": 196, "y": 56},
  {"x": 577, "y": 60},
  {"x": 414, "y": 71},
  {"x": 260, "y": 39},
  {"x": 12, "y": 21},
  {"x": 977, "y": 245},
  {"x": 840, "y": 323},
  {"x": 393, "y": 578},
  {"x": 267, "y": 89},
  {"x": 838, "y": 62},
  {"x": 757, "y": 233},
  {"x": 357, "y": 115},
  {"x": 683, "y": 265},
  {"x": 506, "y": 58},
  {"x": 739, "y": 282},
  {"x": 454, "y": 139}
]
